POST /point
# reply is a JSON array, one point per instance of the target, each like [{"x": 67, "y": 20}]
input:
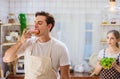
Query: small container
[
  {"x": 11, "y": 18},
  {"x": 9, "y": 39},
  {"x": 113, "y": 21}
]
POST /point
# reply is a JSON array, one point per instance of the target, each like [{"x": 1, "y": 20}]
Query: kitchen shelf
[
  {"x": 15, "y": 24},
  {"x": 7, "y": 44},
  {"x": 5, "y": 30},
  {"x": 110, "y": 24},
  {"x": 10, "y": 24},
  {"x": 103, "y": 41}
]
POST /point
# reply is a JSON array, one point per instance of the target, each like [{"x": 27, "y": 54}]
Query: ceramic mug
[{"x": 9, "y": 38}]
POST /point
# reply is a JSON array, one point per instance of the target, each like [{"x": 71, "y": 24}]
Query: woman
[{"x": 112, "y": 51}]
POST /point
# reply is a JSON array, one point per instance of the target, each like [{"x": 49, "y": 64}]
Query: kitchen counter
[
  {"x": 73, "y": 76},
  {"x": 82, "y": 76}
]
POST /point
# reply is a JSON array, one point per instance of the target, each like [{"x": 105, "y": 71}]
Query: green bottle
[{"x": 22, "y": 20}]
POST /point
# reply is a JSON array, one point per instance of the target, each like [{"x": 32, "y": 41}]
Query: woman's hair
[{"x": 116, "y": 34}]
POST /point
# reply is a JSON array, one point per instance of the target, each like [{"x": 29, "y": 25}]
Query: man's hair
[{"x": 49, "y": 18}]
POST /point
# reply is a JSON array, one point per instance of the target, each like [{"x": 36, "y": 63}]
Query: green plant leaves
[{"x": 107, "y": 62}]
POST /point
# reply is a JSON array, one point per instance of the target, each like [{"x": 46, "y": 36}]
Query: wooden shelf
[
  {"x": 11, "y": 24},
  {"x": 15, "y": 24},
  {"x": 110, "y": 24},
  {"x": 7, "y": 44},
  {"x": 103, "y": 41}
]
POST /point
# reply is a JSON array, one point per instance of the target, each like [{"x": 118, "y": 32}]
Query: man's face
[{"x": 41, "y": 25}]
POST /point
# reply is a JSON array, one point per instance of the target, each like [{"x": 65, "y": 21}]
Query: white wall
[
  {"x": 71, "y": 14},
  {"x": 3, "y": 17},
  {"x": 3, "y": 13},
  {"x": 4, "y": 10}
]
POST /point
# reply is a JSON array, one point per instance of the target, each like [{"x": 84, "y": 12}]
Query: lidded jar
[{"x": 11, "y": 18}]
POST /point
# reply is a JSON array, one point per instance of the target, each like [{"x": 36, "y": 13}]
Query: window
[{"x": 88, "y": 40}]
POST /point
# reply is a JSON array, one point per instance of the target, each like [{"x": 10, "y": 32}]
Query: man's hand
[{"x": 26, "y": 34}]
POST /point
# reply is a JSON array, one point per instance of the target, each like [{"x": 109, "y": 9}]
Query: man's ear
[
  {"x": 119, "y": 40},
  {"x": 49, "y": 26}
]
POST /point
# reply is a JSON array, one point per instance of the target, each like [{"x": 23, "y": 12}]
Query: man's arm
[
  {"x": 10, "y": 54},
  {"x": 64, "y": 72}
]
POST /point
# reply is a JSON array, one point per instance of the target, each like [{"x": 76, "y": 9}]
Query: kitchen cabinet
[
  {"x": 7, "y": 40},
  {"x": 9, "y": 34},
  {"x": 73, "y": 76}
]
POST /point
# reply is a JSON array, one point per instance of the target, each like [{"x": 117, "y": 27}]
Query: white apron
[{"x": 40, "y": 67}]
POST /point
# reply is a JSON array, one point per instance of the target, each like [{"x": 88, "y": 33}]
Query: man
[{"x": 43, "y": 54}]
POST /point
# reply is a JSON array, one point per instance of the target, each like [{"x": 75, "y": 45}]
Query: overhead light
[{"x": 112, "y": 5}]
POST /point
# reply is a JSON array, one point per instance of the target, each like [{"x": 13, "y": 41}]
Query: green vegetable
[{"x": 107, "y": 62}]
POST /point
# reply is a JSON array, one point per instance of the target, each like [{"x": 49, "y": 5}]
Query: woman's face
[{"x": 111, "y": 39}]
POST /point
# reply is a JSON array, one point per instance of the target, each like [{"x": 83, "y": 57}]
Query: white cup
[{"x": 9, "y": 38}]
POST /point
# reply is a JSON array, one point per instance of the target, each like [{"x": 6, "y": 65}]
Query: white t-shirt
[
  {"x": 59, "y": 51},
  {"x": 107, "y": 54}
]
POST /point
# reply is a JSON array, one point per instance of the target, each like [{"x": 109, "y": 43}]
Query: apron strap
[
  {"x": 33, "y": 47},
  {"x": 104, "y": 53},
  {"x": 119, "y": 58},
  {"x": 50, "y": 49}
]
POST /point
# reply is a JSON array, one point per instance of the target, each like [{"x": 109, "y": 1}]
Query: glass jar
[{"x": 11, "y": 18}]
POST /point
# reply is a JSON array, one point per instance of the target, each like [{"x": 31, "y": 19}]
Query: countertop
[
  {"x": 73, "y": 75},
  {"x": 84, "y": 75}
]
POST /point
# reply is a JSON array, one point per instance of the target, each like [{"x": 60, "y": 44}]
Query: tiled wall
[
  {"x": 4, "y": 10},
  {"x": 71, "y": 16},
  {"x": 3, "y": 17},
  {"x": 3, "y": 13},
  {"x": 59, "y": 6}
]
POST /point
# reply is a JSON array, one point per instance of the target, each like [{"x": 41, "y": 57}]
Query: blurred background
[{"x": 78, "y": 22}]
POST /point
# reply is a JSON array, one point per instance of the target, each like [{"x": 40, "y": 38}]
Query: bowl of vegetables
[{"x": 106, "y": 63}]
